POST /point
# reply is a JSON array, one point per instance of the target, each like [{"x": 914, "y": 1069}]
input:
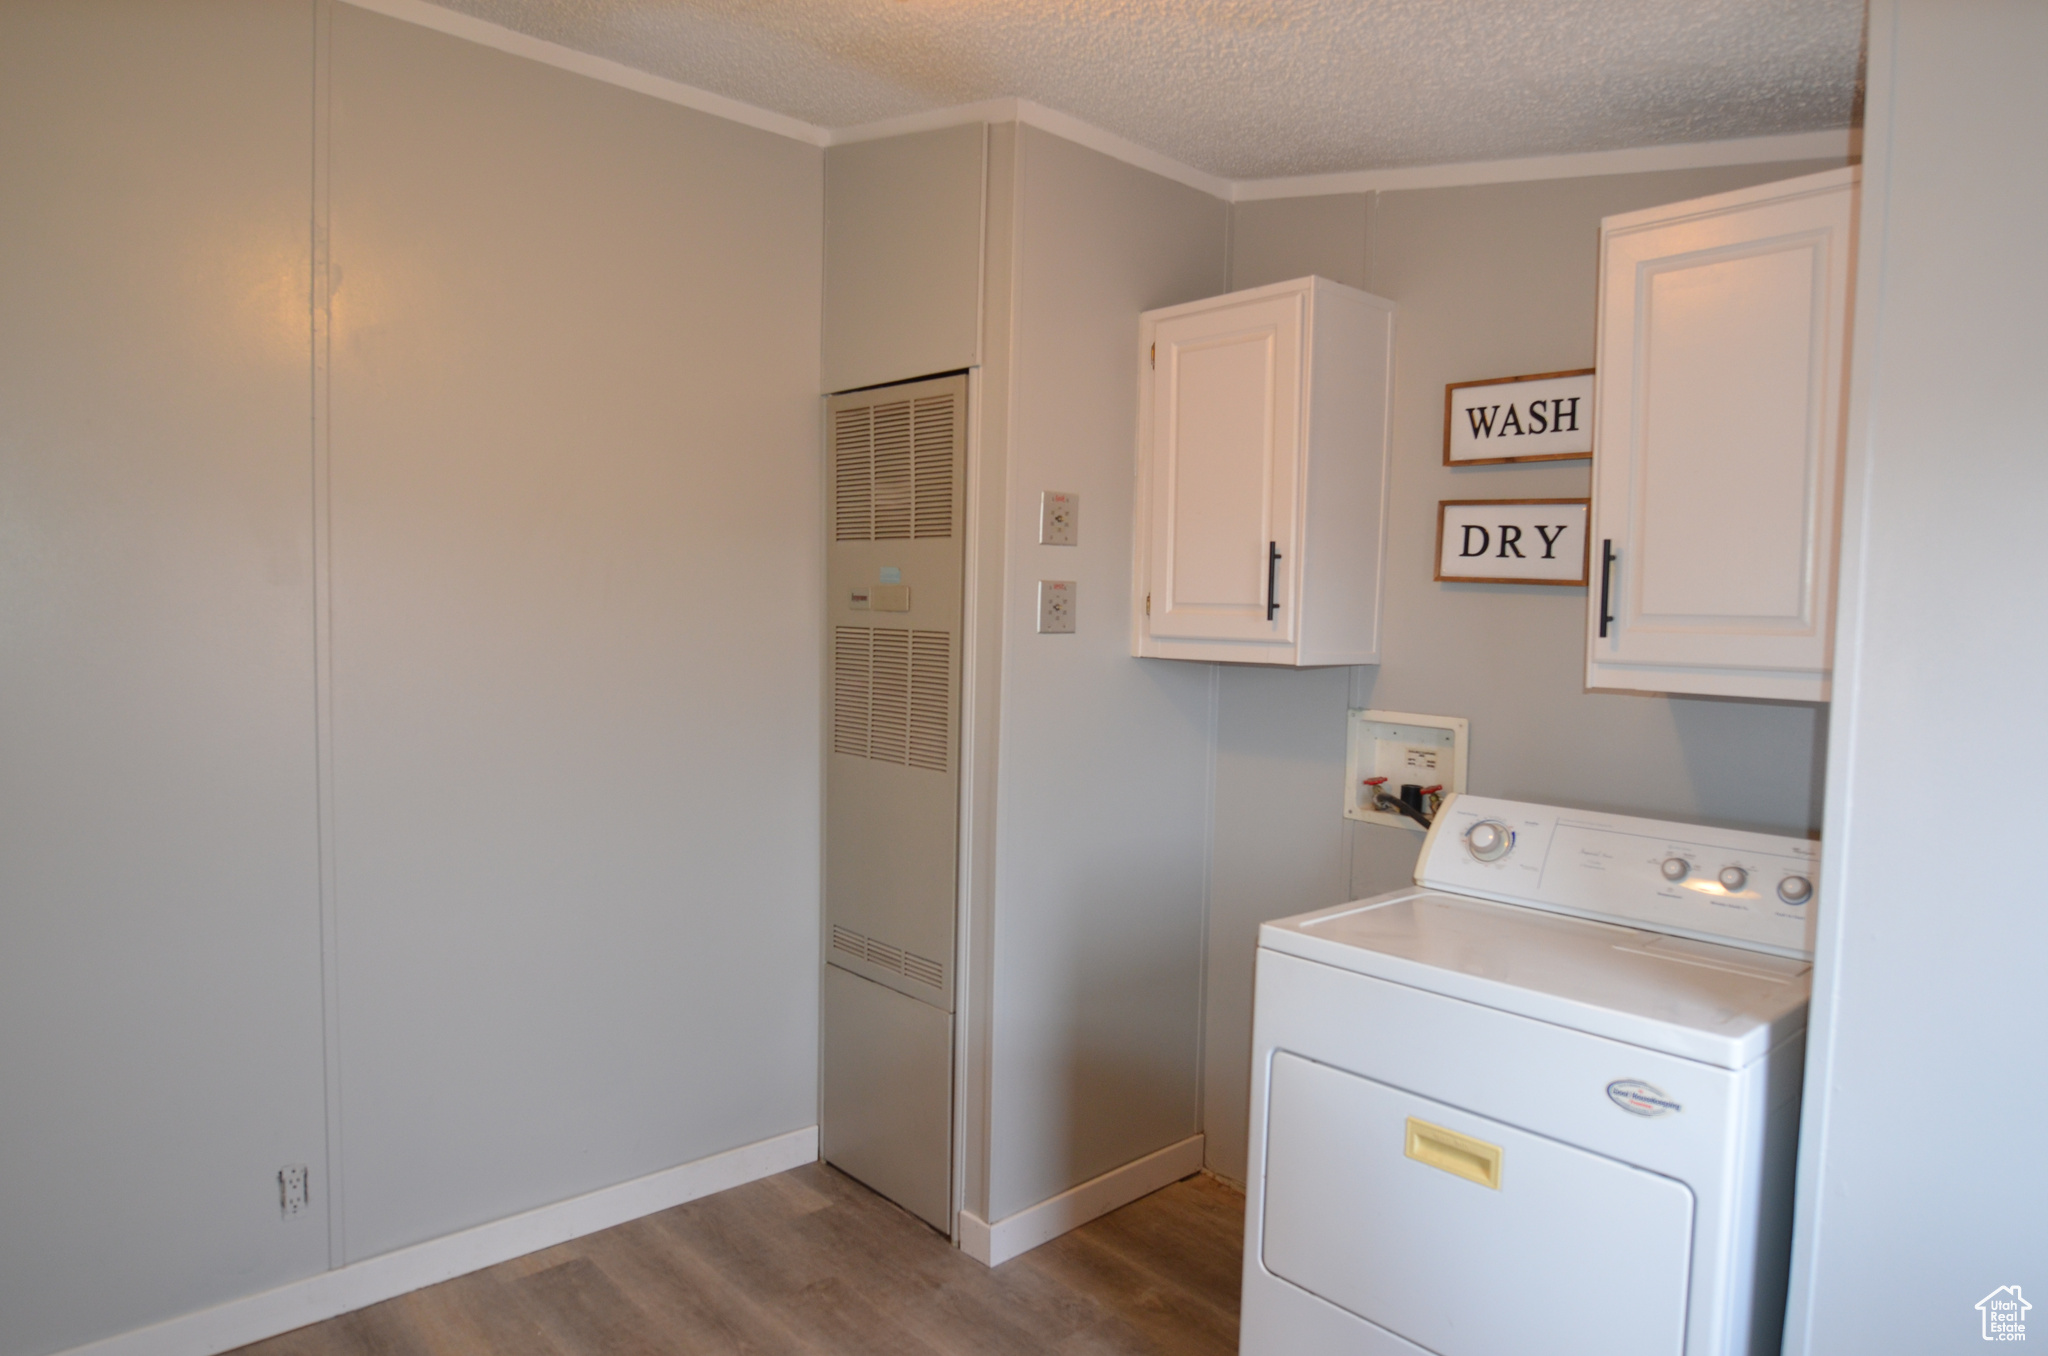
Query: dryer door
[{"x": 1464, "y": 1235}]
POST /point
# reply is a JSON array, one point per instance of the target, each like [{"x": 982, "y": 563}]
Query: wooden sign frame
[
  {"x": 1450, "y": 406},
  {"x": 1585, "y": 544}
]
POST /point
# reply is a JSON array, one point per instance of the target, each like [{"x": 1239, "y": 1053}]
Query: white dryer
[{"x": 1545, "y": 1103}]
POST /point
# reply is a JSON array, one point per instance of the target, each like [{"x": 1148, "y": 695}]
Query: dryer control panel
[{"x": 1753, "y": 890}]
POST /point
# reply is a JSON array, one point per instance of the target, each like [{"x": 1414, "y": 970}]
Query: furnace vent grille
[
  {"x": 925, "y": 971},
  {"x": 894, "y": 959},
  {"x": 932, "y": 459},
  {"x": 892, "y": 693},
  {"x": 892, "y": 470},
  {"x": 852, "y": 681}
]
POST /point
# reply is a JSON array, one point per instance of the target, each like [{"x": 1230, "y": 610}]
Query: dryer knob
[
  {"x": 1676, "y": 869},
  {"x": 1795, "y": 889},
  {"x": 1489, "y": 840},
  {"x": 1733, "y": 878}
]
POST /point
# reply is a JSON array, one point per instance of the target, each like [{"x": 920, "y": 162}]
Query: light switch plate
[
  {"x": 1055, "y": 607},
  {"x": 1059, "y": 518}
]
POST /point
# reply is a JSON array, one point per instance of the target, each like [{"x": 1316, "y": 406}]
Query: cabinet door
[
  {"x": 1721, "y": 367},
  {"x": 1226, "y": 445}
]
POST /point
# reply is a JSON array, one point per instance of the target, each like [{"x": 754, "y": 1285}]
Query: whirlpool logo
[{"x": 1638, "y": 1098}]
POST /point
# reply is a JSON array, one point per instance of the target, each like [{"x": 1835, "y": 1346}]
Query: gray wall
[
  {"x": 1491, "y": 281},
  {"x": 575, "y": 524},
  {"x": 160, "y": 1051},
  {"x": 1920, "y": 1186},
  {"x": 1085, "y": 847},
  {"x": 575, "y": 578},
  {"x": 1102, "y": 797}
]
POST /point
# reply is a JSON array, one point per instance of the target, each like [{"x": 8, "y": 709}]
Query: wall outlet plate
[
  {"x": 1059, "y": 518},
  {"x": 1402, "y": 747},
  {"x": 292, "y": 1190},
  {"x": 1055, "y": 607}
]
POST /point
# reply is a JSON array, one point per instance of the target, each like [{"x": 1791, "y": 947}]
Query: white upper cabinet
[
  {"x": 1262, "y": 467},
  {"x": 1717, "y": 441}
]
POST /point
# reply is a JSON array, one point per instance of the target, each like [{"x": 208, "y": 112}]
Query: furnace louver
[
  {"x": 892, "y": 695},
  {"x": 931, "y": 690},
  {"x": 891, "y": 958},
  {"x": 853, "y": 474},
  {"x": 852, "y": 662},
  {"x": 924, "y": 971},
  {"x": 932, "y": 458},
  {"x": 889, "y": 696},
  {"x": 892, "y": 470}
]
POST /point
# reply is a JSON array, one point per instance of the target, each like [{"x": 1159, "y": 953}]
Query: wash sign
[
  {"x": 1511, "y": 541},
  {"x": 1546, "y": 417}
]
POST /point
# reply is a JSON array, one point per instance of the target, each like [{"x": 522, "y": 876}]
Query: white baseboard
[
  {"x": 255, "y": 1317},
  {"x": 974, "y": 1237},
  {"x": 995, "y": 1244}
]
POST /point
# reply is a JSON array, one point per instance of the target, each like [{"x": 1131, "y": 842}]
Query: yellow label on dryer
[{"x": 1459, "y": 1155}]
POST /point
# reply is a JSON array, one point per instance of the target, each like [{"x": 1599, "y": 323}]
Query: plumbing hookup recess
[{"x": 1403, "y": 755}]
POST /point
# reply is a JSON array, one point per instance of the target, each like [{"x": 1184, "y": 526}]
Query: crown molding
[
  {"x": 487, "y": 34},
  {"x": 930, "y": 120},
  {"x": 1840, "y": 143},
  {"x": 1063, "y": 125}
]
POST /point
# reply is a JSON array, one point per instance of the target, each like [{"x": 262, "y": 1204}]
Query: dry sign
[
  {"x": 1511, "y": 541},
  {"x": 1545, "y": 417}
]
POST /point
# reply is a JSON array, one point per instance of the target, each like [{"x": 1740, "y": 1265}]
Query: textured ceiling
[{"x": 1258, "y": 88}]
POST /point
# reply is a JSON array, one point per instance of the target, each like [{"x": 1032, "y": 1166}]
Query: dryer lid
[{"x": 1698, "y": 1000}]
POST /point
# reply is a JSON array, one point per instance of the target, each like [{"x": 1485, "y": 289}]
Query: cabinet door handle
[
  {"x": 1272, "y": 577},
  {"x": 1606, "y": 576}
]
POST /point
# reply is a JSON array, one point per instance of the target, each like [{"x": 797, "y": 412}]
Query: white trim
[
  {"x": 1117, "y": 148},
  {"x": 321, "y": 337},
  {"x": 964, "y": 993},
  {"x": 1071, "y": 128},
  {"x": 1841, "y": 832},
  {"x": 254, "y": 1317},
  {"x": 487, "y": 34},
  {"x": 973, "y": 1235},
  {"x": 1840, "y": 142},
  {"x": 995, "y": 1244},
  {"x": 1063, "y": 125},
  {"x": 930, "y": 120},
  {"x": 1714, "y": 204}
]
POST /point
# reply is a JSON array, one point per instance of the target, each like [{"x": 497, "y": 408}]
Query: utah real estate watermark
[{"x": 2005, "y": 1314}]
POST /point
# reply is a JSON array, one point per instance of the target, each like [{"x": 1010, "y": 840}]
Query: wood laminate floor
[{"x": 812, "y": 1262}]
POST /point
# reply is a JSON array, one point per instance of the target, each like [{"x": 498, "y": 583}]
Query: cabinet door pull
[
  {"x": 1606, "y": 575},
  {"x": 1272, "y": 576}
]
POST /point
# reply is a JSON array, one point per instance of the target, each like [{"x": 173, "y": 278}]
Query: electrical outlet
[
  {"x": 292, "y": 1197},
  {"x": 1055, "y": 607},
  {"x": 1059, "y": 519}
]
